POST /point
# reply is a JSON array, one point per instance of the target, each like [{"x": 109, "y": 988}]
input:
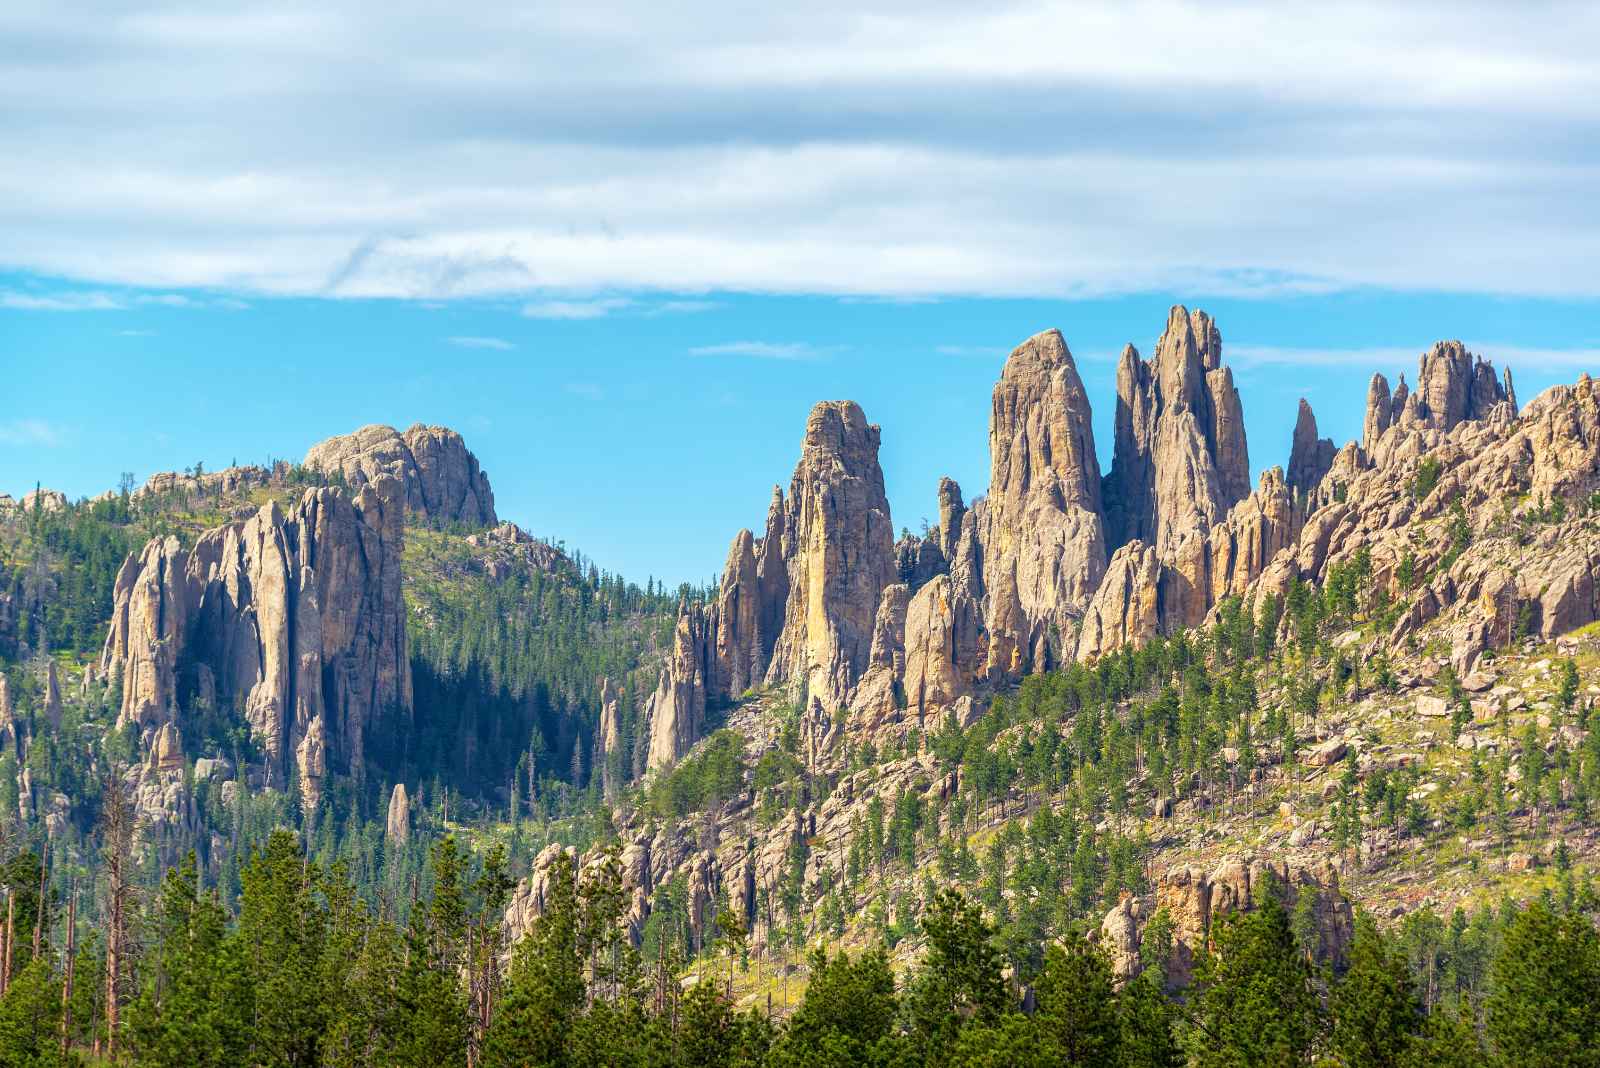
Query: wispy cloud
[
  {"x": 1374, "y": 359},
  {"x": 68, "y": 301},
  {"x": 586, "y": 390},
  {"x": 136, "y": 333},
  {"x": 35, "y": 432},
  {"x": 575, "y": 309},
  {"x": 684, "y": 307},
  {"x": 761, "y": 350},
  {"x": 1391, "y": 358},
  {"x": 93, "y": 300},
  {"x": 496, "y": 343}
]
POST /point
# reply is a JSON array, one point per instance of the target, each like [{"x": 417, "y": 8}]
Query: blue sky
[
  {"x": 648, "y": 434},
  {"x": 623, "y": 250}
]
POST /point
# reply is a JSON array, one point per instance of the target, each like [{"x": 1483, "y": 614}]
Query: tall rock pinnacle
[
  {"x": 1044, "y": 547},
  {"x": 839, "y": 556},
  {"x": 1310, "y": 457},
  {"x": 1181, "y": 459}
]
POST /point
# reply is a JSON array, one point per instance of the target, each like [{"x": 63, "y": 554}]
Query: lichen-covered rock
[{"x": 440, "y": 478}]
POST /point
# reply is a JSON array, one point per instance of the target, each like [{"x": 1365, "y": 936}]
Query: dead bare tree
[
  {"x": 117, "y": 819},
  {"x": 66, "y": 982}
]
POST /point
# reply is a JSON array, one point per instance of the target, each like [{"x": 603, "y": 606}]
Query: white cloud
[
  {"x": 64, "y": 302},
  {"x": 762, "y": 350},
  {"x": 575, "y": 309},
  {"x": 877, "y": 149},
  {"x": 136, "y": 333},
  {"x": 587, "y": 390},
  {"x": 498, "y": 344},
  {"x": 30, "y": 432}
]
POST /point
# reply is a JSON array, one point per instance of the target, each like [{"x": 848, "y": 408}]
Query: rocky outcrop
[
  {"x": 397, "y": 829},
  {"x": 1126, "y": 608},
  {"x": 1044, "y": 546},
  {"x": 1452, "y": 388},
  {"x": 677, "y": 709},
  {"x": 10, "y": 738},
  {"x": 1253, "y": 534},
  {"x": 952, "y": 510},
  {"x": 839, "y": 555},
  {"x": 608, "y": 749},
  {"x": 1380, "y": 412},
  {"x": 944, "y": 646},
  {"x": 880, "y": 697},
  {"x": 1181, "y": 458},
  {"x": 190, "y": 485},
  {"x": 439, "y": 477},
  {"x": 1310, "y": 457},
  {"x": 294, "y": 618},
  {"x": 1194, "y": 899},
  {"x": 46, "y": 501},
  {"x": 52, "y": 695}
]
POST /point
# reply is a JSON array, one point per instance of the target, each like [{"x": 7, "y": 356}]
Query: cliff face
[
  {"x": 294, "y": 619},
  {"x": 439, "y": 477}
]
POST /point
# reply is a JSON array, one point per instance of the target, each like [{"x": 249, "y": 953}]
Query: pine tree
[
  {"x": 960, "y": 983},
  {"x": 1254, "y": 1004},
  {"x": 1077, "y": 1013},
  {"x": 197, "y": 1004},
  {"x": 1545, "y": 1004},
  {"x": 1376, "y": 1014}
]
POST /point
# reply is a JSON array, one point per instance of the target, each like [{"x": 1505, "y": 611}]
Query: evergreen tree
[
  {"x": 1376, "y": 1014},
  {"x": 1545, "y": 1005},
  {"x": 197, "y": 1004},
  {"x": 1077, "y": 1011},
  {"x": 1255, "y": 1004},
  {"x": 960, "y": 983}
]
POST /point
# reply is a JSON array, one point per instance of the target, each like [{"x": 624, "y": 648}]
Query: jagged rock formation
[
  {"x": 797, "y": 607},
  {"x": 294, "y": 618},
  {"x": 1310, "y": 457},
  {"x": 952, "y": 510},
  {"x": 1181, "y": 458},
  {"x": 608, "y": 735},
  {"x": 1044, "y": 544},
  {"x": 841, "y": 556},
  {"x": 1126, "y": 609},
  {"x": 677, "y": 709},
  {"x": 943, "y": 646},
  {"x": 439, "y": 477}
]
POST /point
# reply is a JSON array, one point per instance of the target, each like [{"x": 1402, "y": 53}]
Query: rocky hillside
[
  {"x": 1125, "y": 700},
  {"x": 848, "y": 714}
]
